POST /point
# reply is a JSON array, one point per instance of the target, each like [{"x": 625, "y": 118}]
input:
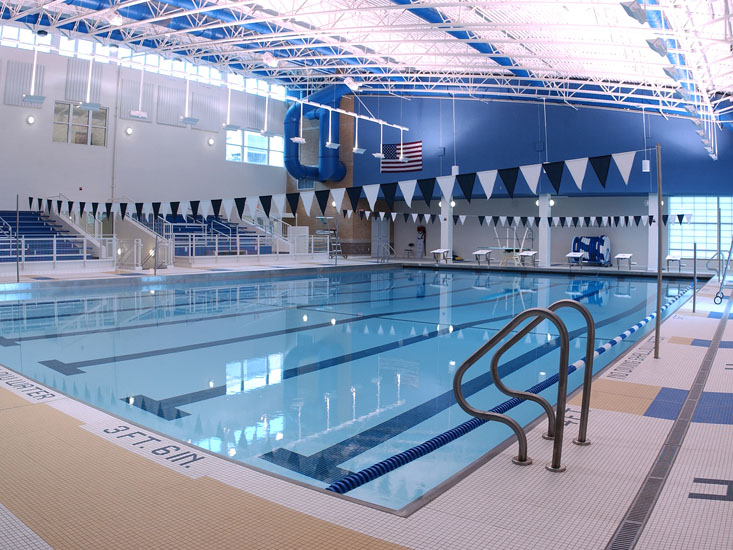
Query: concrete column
[
  {"x": 446, "y": 227},
  {"x": 543, "y": 241},
  {"x": 652, "y": 233}
]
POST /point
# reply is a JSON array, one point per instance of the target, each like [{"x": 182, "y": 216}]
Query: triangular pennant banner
[
  {"x": 509, "y": 177},
  {"x": 523, "y": 220},
  {"x": 307, "y": 199},
  {"x": 195, "y": 209},
  {"x": 30, "y": 203},
  {"x": 108, "y": 209},
  {"x": 123, "y": 210},
  {"x": 426, "y": 188},
  {"x": 495, "y": 220},
  {"x": 216, "y": 207},
  {"x": 367, "y": 213},
  {"x": 204, "y": 207},
  {"x": 252, "y": 203},
  {"x": 680, "y": 217},
  {"x": 600, "y": 167},
  {"x": 361, "y": 214},
  {"x": 433, "y": 217},
  {"x": 446, "y": 186},
  {"x": 389, "y": 190},
  {"x": 481, "y": 220},
  {"x": 599, "y": 221},
  {"x": 70, "y": 205},
  {"x": 587, "y": 220},
  {"x": 637, "y": 219},
  {"x": 531, "y": 174},
  {"x": 487, "y": 180},
  {"x": 665, "y": 217},
  {"x": 554, "y": 171},
  {"x": 292, "y": 199},
  {"x": 354, "y": 194},
  {"x": 371, "y": 192},
  {"x": 455, "y": 220},
  {"x": 393, "y": 215},
  {"x": 279, "y": 202},
  {"x": 562, "y": 221},
  {"x": 49, "y": 202},
  {"x": 575, "y": 221},
  {"x": 138, "y": 210},
  {"x": 406, "y": 215},
  {"x": 381, "y": 215},
  {"x": 626, "y": 221},
  {"x": 414, "y": 217},
  {"x": 616, "y": 219},
  {"x": 266, "y": 202},
  {"x": 651, "y": 220},
  {"x": 502, "y": 219},
  {"x": 537, "y": 220},
  {"x": 462, "y": 218},
  {"x": 59, "y": 206},
  {"x": 241, "y": 201},
  {"x": 174, "y": 209},
  {"x": 577, "y": 168},
  {"x": 624, "y": 162},
  {"x": 228, "y": 205},
  {"x": 322, "y": 198},
  {"x": 408, "y": 190},
  {"x": 466, "y": 183},
  {"x": 155, "y": 206},
  {"x": 338, "y": 196}
]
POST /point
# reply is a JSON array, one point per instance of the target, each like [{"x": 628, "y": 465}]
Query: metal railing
[
  {"x": 55, "y": 249},
  {"x": 384, "y": 252},
  {"x": 128, "y": 253},
  {"x": 556, "y": 421},
  {"x": 216, "y": 245}
]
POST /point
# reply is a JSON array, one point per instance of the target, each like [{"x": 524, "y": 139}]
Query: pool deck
[{"x": 658, "y": 473}]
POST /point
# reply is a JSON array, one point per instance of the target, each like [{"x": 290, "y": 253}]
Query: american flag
[{"x": 412, "y": 152}]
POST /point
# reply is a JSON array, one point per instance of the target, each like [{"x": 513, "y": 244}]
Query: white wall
[
  {"x": 155, "y": 163},
  {"x": 471, "y": 236}
]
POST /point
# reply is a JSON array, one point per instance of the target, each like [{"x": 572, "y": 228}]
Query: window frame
[{"x": 90, "y": 125}]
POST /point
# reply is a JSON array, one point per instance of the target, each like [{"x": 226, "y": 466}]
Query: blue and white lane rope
[{"x": 357, "y": 479}]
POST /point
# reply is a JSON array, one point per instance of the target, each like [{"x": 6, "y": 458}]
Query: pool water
[{"x": 317, "y": 376}]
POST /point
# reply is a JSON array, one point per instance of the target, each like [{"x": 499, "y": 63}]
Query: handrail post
[
  {"x": 54, "y": 252},
  {"x": 84, "y": 251},
  {"x": 694, "y": 275}
]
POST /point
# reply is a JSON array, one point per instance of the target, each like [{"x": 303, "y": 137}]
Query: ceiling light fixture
[
  {"x": 352, "y": 84},
  {"x": 116, "y": 20},
  {"x": 380, "y": 154},
  {"x": 635, "y": 10},
  {"x": 270, "y": 60},
  {"x": 672, "y": 72}
]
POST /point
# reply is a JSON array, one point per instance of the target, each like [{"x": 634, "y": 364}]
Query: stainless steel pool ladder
[{"x": 556, "y": 422}]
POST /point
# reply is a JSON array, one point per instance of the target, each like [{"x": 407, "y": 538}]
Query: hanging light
[
  {"x": 658, "y": 46},
  {"x": 186, "y": 119},
  {"x": 88, "y": 105},
  {"x": 270, "y": 60},
  {"x": 265, "y": 131},
  {"x": 403, "y": 159},
  {"x": 229, "y": 126},
  {"x": 139, "y": 113},
  {"x": 672, "y": 72},
  {"x": 352, "y": 84},
  {"x": 32, "y": 97},
  {"x": 299, "y": 139},
  {"x": 379, "y": 154},
  {"x": 357, "y": 150},
  {"x": 116, "y": 20},
  {"x": 330, "y": 144},
  {"x": 635, "y": 10}
]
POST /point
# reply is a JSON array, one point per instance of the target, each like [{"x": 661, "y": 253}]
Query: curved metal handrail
[
  {"x": 714, "y": 257},
  {"x": 539, "y": 314}
]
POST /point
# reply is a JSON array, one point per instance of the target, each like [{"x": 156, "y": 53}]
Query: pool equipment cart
[
  {"x": 724, "y": 283},
  {"x": 556, "y": 421}
]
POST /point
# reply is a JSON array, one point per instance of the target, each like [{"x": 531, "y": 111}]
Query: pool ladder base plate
[
  {"x": 548, "y": 436},
  {"x": 581, "y": 443},
  {"x": 550, "y": 468},
  {"x": 518, "y": 462}
]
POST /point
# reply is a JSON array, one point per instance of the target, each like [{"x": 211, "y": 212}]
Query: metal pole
[
  {"x": 17, "y": 250},
  {"x": 694, "y": 275},
  {"x": 155, "y": 256},
  {"x": 659, "y": 251},
  {"x": 720, "y": 251}
]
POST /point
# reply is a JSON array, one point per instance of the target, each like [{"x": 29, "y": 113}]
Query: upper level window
[
  {"x": 703, "y": 226},
  {"x": 254, "y": 148},
  {"x": 74, "y": 125}
]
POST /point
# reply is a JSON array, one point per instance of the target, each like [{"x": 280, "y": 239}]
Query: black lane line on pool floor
[
  {"x": 73, "y": 368},
  {"x": 324, "y": 465},
  {"x": 632, "y": 525},
  {"x": 9, "y": 342}
]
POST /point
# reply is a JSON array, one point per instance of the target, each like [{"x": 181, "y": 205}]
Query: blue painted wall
[{"x": 506, "y": 134}]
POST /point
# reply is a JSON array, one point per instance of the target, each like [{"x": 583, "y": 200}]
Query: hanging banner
[
  {"x": 252, "y": 203},
  {"x": 600, "y": 167},
  {"x": 577, "y": 168},
  {"x": 194, "y": 209},
  {"x": 427, "y": 186},
  {"x": 338, "y": 196},
  {"x": 367, "y": 213},
  {"x": 394, "y": 216},
  {"x": 292, "y": 199},
  {"x": 228, "y": 206},
  {"x": 553, "y": 171},
  {"x": 455, "y": 220},
  {"x": 466, "y": 182},
  {"x": 487, "y": 180},
  {"x": 307, "y": 199},
  {"x": 215, "y": 208},
  {"x": 406, "y": 215},
  {"x": 408, "y": 190},
  {"x": 495, "y": 220},
  {"x": 240, "y": 202},
  {"x": 481, "y": 220},
  {"x": 389, "y": 190},
  {"x": 414, "y": 217},
  {"x": 108, "y": 209},
  {"x": 279, "y": 202},
  {"x": 371, "y": 192},
  {"x": 204, "y": 209},
  {"x": 446, "y": 186},
  {"x": 509, "y": 177},
  {"x": 322, "y": 199},
  {"x": 354, "y": 194},
  {"x": 531, "y": 174},
  {"x": 624, "y": 163},
  {"x": 266, "y": 202},
  {"x": 381, "y": 216}
]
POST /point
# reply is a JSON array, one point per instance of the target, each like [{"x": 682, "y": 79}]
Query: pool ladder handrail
[{"x": 556, "y": 423}]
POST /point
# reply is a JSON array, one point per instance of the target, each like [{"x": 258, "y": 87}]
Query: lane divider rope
[{"x": 357, "y": 479}]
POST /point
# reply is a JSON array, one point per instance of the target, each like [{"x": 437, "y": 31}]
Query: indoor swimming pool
[{"x": 317, "y": 376}]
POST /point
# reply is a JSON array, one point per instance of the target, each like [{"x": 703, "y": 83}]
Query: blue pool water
[{"x": 317, "y": 376}]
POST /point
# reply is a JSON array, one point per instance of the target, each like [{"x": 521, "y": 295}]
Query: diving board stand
[{"x": 440, "y": 254}]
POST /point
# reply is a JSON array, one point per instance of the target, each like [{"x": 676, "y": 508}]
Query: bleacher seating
[{"x": 38, "y": 230}]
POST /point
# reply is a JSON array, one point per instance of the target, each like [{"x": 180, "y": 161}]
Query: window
[
  {"x": 703, "y": 226},
  {"x": 254, "y": 148},
  {"x": 74, "y": 125}
]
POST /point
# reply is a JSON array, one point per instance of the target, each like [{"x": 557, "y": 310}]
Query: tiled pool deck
[{"x": 658, "y": 473}]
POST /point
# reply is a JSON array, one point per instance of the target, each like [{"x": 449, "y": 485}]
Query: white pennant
[
  {"x": 381, "y": 215},
  {"x": 228, "y": 206},
  {"x": 371, "y": 192},
  {"x": 338, "y": 197},
  {"x": 349, "y": 214},
  {"x": 502, "y": 219},
  {"x": 530, "y": 221},
  {"x": 164, "y": 209},
  {"x": 555, "y": 221},
  {"x": 367, "y": 213},
  {"x": 204, "y": 208},
  {"x": 114, "y": 211},
  {"x": 517, "y": 221},
  {"x": 446, "y": 185},
  {"x": 183, "y": 208},
  {"x": 577, "y": 168},
  {"x": 307, "y": 200},
  {"x": 279, "y": 202},
  {"x": 251, "y": 204},
  {"x": 394, "y": 215},
  {"x": 463, "y": 219},
  {"x": 688, "y": 217},
  {"x": 531, "y": 173},
  {"x": 487, "y": 180},
  {"x": 624, "y": 162},
  {"x": 414, "y": 217},
  {"x": 408, "y": 190},
  {"x": 147, "y": 208}
]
